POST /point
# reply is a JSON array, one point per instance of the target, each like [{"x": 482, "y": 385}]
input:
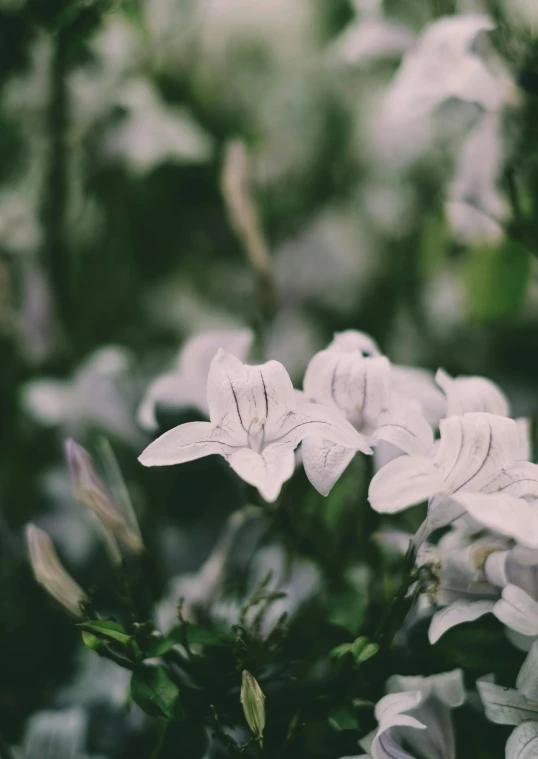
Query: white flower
[
  {"x": 466, "y": 394},
  {"x": 96, "y": 396},
  {"x": 185, "y": 385},
  {"x": 255, "y": 424},
  {"x": 352, "y": 378},
  {"x": 478, "y": 452},
  {"x": 370, "y": 37},
  {"x": 416, "y": 715}
]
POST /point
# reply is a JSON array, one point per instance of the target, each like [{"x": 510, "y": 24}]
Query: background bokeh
[{"x": 393, "y": 173}]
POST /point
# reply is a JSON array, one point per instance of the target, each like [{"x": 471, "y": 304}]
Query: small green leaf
[
  {"x": 341, "y": 650},
  {"x": 91, "y": 641},
  {"x": 156, "y": 694},
  {"x": 105, "y": 628},
  {"x": 343, "y": 717},
  {"x": 186, "y": 632}
]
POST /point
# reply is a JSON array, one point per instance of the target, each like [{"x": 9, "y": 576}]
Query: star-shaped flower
[
  {"x": 478, "y": 452},
  {"x": 256, "y": 422}
]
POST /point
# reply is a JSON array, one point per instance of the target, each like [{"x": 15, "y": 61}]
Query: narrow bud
[
  {"x": 253, "y": 702},
  {"x": 49, "y": 572},
  {"x": 90, "y": 491}
]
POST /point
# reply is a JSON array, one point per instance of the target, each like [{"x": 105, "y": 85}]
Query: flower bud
[
  {"x": 49, "y": 572},
  {"x": 253, "y": 702},
  {"x": 90, "y": 491}
]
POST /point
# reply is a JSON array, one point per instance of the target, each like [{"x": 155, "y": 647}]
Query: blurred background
[{"x": 298, "y": 167}]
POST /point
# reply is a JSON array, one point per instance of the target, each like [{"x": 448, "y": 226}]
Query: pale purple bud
[
  {"x": 90, "y": 490},
  {"x": 49, "y": 572}
]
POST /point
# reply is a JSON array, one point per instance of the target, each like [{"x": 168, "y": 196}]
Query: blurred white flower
[
  {"x": 152, "y": 132},
  {"x": 370, "y": 37},
  {"x": 185, "y": 385},
  {"x": 256, "y": 423},
  {"x": 98, "y": 395},
  {"x": 57, "y": 735},
  {"x": 443, "y": 67}
]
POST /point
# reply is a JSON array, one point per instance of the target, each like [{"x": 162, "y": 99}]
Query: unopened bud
[
  {"x": 253, "y": 702},
  {"x": 90, "y": 491},
  {"x": 49, "y": 572}
]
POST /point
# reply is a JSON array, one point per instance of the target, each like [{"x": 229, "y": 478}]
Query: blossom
[
  {"x": 477, "y": 452},
  {"x": 516, "y": 706},
  {"x": 351, "y": 377},
  {"x": 184, "y": 385},
  {"x": 416, "y": 714},
  {"x": 96, "y": 396},
  {"x": 49, "y": 572},
  {"x": 256, "y": 422}
]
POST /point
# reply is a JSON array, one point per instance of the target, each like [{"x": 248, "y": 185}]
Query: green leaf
[
  {"x": 193, "y": 634},
  {"x": 105, "y": 628},
  {"x": 343, "y": 717},
  {"x": 342, "y": 650},
  {"x": 91, "y": 641},
  {"x": 496, "y": 280},
  {"x": 347, "y": 603},
  {"x": 156, "y": 693}
]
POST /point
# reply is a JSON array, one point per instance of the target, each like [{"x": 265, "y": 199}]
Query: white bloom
[
  {"x": 370, "y": 37},
  {"x": 255, "y": 424},
  {"x": 353, "y": 379},
  {"x": 416, "y": 714},
  {"x": 185, "y": 385},
  {"x": 478, "y": 452},
  {"x": 523, "y": 743},
  {"x": 466, "y": 394},
  {"x": 96, "y": 396}
]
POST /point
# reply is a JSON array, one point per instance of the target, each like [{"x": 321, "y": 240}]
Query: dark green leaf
[
  {"x": 104, "y": 628},
  {"x": 156, "y": 693}
]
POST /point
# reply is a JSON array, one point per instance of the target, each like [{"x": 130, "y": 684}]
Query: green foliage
[{"x": 153, "y": 690}]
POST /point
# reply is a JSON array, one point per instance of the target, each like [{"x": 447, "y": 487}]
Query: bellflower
[
  {"x": 477, "y": 452},
  {"x": 415, "y": 717},
  {"x": 516, "y": 706},
  {"x": 185, "y": 384},
  {"x": 256, "y": 422},
  {"x": 353, "y": 379},
  {"x": 467, "y": 394}
]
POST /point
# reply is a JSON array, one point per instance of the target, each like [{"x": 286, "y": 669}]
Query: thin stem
[
  {"x": 54, "y": 210},
  {"x": 162, "y": 727}
]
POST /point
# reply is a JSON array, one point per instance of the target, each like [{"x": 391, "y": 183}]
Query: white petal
[
  {"x": 527, "y": 679},
  {"x": 505, "y": 706},
  {"x": 517, "y": 610},
  {"x": 267, "y": 471},
  {"x": 346, "y": 380},
  {"x": 525, "y": 439},
  {"x": 456, "y": 614},
  {"x": 242, "y": 398},
  {"x": 523, "y": 742},
  {"x": 518, "y": 479},
  {"x": 173, "y": 391},
  {"x": 391, "y": 706},
  {"x": 418, "y": 385},
  {"x": 324, "y": 462},
  {"x": 405, "y": 428},
  {"x": 313, "y": 419},
  {"x": 199, "y": 351},
  {"x": 473, "y": 449},
  {"x": 465, "y": 394},
  {"x": 184, "y": 443},
  {"x": 447, "y": 687},
  {"x": 404, "y": 482},
  {"x": 510, "y": 516},
  {"x": 48, "y": 401},
  {"x": 353, "y": 340}
]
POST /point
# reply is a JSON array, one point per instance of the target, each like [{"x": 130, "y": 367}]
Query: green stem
[
  {"x": 54, "y": 210},
  {"x": 162, "y": 728}
]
